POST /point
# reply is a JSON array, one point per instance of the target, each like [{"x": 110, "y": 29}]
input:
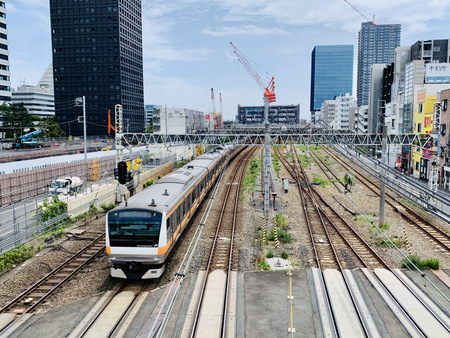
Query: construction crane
[
  {"x": 269, "y": 90},
  {"x": 213, "y": 109},
  {"x": 269, "y": 96},
  {"x": 361, "y": 13}
]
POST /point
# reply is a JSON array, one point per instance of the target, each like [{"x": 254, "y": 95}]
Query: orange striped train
[{"x": 141, "y": 232}]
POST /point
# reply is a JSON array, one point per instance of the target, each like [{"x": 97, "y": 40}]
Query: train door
[{"x": 169, "y": 228}]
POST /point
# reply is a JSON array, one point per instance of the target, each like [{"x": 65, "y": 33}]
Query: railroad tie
[
  {"x": 408, "y": 246},
  {"x": 275, "y": 232}
]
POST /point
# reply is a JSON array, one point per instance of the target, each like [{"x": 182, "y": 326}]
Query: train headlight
[{"x": 132, "y": 267}]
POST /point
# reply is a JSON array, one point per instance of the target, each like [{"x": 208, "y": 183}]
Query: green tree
[
  {"x": 15, "y": 118},
  {"x": 149, "y": 129},
  {"x": 53, "y": 209},
  {"x": 52, "y": 128}
]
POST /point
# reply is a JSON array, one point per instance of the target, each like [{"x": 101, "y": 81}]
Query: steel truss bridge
[{"x": 278, "y": 138}]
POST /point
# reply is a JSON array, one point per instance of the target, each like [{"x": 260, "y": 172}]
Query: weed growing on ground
[
  {"x": 432, "y": 263},
  {"x": 388, "y": 243}
]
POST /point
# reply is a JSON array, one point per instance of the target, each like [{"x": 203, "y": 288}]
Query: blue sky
[{"x": 187, "y": 50}]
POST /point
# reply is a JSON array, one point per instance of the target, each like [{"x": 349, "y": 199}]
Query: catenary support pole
[{"x": 383, "y": 174}]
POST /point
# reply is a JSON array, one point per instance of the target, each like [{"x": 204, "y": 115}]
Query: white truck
[{"x": 66, "y": 186}]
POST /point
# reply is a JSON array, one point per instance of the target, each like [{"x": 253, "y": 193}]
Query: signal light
[{"x": 122, "y": 168}]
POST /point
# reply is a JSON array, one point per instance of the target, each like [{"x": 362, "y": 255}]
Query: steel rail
[
  {"x": 241, "y": 167},
  {"x": 51, "y": 274},
  {"x": 365, "y": 181},
  {"x": 405, "y": 284}
]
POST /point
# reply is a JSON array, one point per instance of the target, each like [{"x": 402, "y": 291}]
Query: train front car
[
  {"x": 133, "y": 237},
  {"x": 142, "y": 232}
]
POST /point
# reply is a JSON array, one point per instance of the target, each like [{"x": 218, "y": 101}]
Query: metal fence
[
  {"x": 25, "y": 184},
  {"x": 16, "y": 230}
]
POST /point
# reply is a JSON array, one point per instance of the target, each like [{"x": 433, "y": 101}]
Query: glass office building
[
  {"x": 331, "y": 74},
  {"x": 376, "y": 45},
  {"x": 97, "y": 53}
]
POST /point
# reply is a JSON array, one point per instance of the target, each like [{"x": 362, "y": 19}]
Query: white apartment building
[
  {"x": 39, "y": 100},
  {"x": 337, "y": 112},
  {"x": 5, "y": 80},
  {"x": 177, "y": 121}
]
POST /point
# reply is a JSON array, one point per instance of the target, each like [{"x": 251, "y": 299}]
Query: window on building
[
  {"x": 420, "y": 108},
  {"x": 393, "y": 124},
  {"x": 419, "y": 127}
]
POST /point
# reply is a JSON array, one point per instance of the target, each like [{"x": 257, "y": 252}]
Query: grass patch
[
  {"x": 323, "y": 183},
  {"x": 249, "y": 181},
  {"x": 429, "y": 263},
  {"x": 305, "y": 161},
  {"x": 270, "y": 254},
  {"x": 275, "y": 162},
  {"x": 363, "y": 220},
  {"x": 280, "y": 219},
  {"x": 284, "y": 255},
  {"x": 388, "y": 243}
]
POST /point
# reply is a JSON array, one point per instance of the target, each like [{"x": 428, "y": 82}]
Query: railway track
[
  {"x": 31, "y": 298},
  {"x": 221, "y": 259},
  {"x": 436, "y": 234},
  {"x": 337, "y": 309},
  {"x": 336, "y": 244}
]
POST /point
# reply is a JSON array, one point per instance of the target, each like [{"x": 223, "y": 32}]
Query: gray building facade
[{"x": 286, "y": 115}]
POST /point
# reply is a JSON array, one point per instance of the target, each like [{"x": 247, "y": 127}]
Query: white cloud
[{"x": 245, "y": 30}]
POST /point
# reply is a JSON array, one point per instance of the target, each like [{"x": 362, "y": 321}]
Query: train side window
[
  {"x": 168, "y": 222},
  {"x": 184, "y": 208},
  {"x": 194, "y": 195}
]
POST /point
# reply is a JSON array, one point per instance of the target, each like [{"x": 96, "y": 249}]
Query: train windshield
[{"x": 134, "y": 228}]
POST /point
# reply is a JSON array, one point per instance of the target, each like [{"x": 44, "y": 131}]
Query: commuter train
[{"x": 141, "y": 232}]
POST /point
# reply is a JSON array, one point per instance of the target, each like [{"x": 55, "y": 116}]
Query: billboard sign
[{"x": 437, "y": 73}]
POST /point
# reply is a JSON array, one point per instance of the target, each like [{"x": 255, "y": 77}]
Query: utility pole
[
  {"x": 78, "y": 101},
  {"x": 382, "y": 174},
  {"x": 119, "y": 147}
]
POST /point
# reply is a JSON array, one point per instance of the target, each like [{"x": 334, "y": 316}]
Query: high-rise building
[
  {"x": 5, "y": 81},
  {"x": 376, "y": 45},
  {"x": 331, "y": 74},
  {"x": 97, "y": 53}
]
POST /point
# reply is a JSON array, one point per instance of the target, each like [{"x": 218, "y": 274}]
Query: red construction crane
[
  {"x": 361, "y": 13},
  {"x": 269, "y": 90}
]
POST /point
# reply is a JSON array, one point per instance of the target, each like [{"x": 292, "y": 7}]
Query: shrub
[
  {"x": 52, "y": 209},
  {"x": 432, "y": 263},
  {"x": 284, "y": 255},
  {"x": 270, "y": 254},
  {"x": 15, "y": 257},
  {"x": 384, "y": 226},
  {"x": 263, "y": 265},
  {"x": 148, "y": 183},
  {"x": 283, "y": 236},
  {"x": 108, "y": 207}
]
